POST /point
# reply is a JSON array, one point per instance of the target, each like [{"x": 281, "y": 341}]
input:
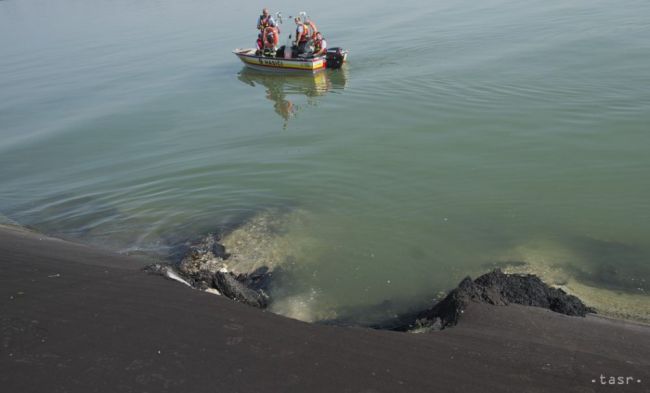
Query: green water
[{"x": 460, "y": 135}]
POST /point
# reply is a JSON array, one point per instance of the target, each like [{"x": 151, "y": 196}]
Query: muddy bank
[
  {"x": 75, "y": 319},
  {"x": 210, "y": 266},
  {"x": 494, "y": 288}
]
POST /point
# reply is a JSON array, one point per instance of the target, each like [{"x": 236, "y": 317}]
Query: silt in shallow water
[{"x": 577, "y": 267}]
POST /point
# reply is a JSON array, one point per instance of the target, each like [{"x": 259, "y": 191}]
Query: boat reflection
[{"x": 286, "y": 90}]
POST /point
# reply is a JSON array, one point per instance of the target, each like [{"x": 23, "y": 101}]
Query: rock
[
  {"x": 202, "y": 279},
  {"x": 156, "y": 268},
  {"x": 500, "y": 289},
  {"x": 204, "y": 268},
  {"x": 234, "y": 288},
  {"x": 249, "y": 289},
  {"x": 219, "y": 251},
  {"x": 202, "y": 261},
  {"x": 258, "y": 280}
]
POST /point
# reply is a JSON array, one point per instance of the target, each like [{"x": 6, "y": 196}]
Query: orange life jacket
[
  {"x": 265, "y": 37},
  {"x": 312, "y": 27},
  {"x": 306, "y": 32}
]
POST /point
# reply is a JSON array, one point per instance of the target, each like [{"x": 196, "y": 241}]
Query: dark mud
[{"x": 494, "y": 288}]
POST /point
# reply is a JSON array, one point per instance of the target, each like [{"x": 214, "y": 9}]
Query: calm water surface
[{"x": 460, "y": 136}]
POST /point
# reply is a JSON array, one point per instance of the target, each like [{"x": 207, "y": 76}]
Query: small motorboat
[{"x": 334, "y": 58}]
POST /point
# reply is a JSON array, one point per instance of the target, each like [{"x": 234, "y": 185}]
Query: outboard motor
[{"x": 335, "y": 58}]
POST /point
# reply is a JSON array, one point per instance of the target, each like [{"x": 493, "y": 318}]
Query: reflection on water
[{"x": 285, "y": 90}]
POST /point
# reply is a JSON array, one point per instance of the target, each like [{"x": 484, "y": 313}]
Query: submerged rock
[
  {"x": 496, "y": 288},
  {"x": 236, "y": 288}
]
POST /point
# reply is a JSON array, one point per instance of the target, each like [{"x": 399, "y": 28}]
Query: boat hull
[{"x": 273, "y": 64}]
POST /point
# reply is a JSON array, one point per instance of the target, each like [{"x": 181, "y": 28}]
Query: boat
[{"x": 334, "y": 58}]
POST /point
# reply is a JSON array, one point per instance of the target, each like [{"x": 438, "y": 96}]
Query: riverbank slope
[{"x": 76, "y": 319}]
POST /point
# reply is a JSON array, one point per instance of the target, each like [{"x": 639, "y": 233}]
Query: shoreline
[
  {"x": 252, "y": 247},
  {"x": 79, "y": 319}
]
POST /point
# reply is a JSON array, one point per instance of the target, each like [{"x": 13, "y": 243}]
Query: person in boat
[
  {"x": 303, "y": 35},
  {"x": 270, "y": 39},
  {"x": 269, "y": 33},
  {"x": 312, "y": 27},
  {"x": 320, "y": 45},
  {"x": 265, "y": 20}
]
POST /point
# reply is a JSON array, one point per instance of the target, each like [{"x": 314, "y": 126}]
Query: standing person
[
  {"x": 320, "y": 45},
  {"x": 307, "y": 20},
  {"x": 266, "y": 26},
  {"x": 303, "y": 35},
  {"x": 265, "y": 20},
  {"x": 312, "y": 27}
]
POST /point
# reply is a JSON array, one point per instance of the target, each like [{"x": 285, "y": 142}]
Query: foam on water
[{"x": 174, "y": 276}]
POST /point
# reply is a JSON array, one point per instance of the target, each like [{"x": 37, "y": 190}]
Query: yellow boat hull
[{"x": 251, "y": 60}]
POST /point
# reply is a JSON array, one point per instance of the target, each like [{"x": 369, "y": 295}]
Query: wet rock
[
  {"x": 204, "y": 267},
  {"x": 496, "y": 288},
  {"x": 249, "y": 289},
  {"x": 156, "y": 268},
  {"x": 234, "y": 287},
  {"x": 260, "y": 279},
  {"x": 219, "y": 251},
  {"x": 202, "y": 279},
  {"x": 208, "y": 255}
]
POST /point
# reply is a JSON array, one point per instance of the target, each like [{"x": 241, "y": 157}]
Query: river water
[{"x": 460, "y": 136}]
